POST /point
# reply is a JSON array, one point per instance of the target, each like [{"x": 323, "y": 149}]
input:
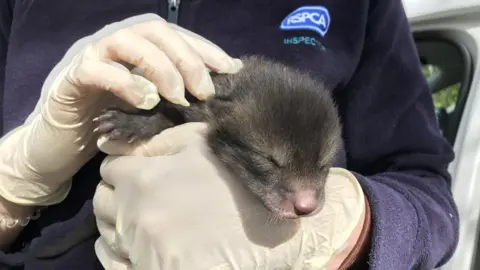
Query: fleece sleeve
[
  {"x": 396, "y": 150},
  {"x": 6, "y": 15},
  {"x": 6, "y": 9}
]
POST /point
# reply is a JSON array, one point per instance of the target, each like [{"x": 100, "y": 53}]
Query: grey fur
[{"x": 274, "y": 127}]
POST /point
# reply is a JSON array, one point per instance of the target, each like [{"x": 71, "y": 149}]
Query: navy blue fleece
[{"x": 368, "y": 59}]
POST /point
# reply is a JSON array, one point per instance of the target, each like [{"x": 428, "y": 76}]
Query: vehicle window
[
  {"x": 445, "y": 99},
  {"x": 447, "y": 67}
]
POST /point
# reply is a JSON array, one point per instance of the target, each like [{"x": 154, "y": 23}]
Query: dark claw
[
  {"x": 132, "y": 139},
  {"x": 104, "y": 127},
  {"x": 118, "y": 125}
]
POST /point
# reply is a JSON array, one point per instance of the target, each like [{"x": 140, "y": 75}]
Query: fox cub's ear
[{"x": 220, "y": 106}]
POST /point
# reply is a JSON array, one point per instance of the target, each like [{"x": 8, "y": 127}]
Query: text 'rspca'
[{"x": 314, "y": 18}]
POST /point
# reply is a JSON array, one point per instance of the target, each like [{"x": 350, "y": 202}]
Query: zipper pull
[{"x": 173, "y": 6}]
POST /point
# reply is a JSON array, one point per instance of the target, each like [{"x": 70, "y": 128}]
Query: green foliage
[{"x": 446, "y": 97}]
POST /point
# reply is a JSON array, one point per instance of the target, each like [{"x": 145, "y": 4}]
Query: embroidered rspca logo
[{"x": 314, "y": 18}]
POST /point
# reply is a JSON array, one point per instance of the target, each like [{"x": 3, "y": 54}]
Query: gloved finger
[
  {"x": 146, "y": 256},
  {"x": 117, "y": 169},
  {"x": 104, "y": 206},
  {"x": 191, "y": 67},
  {"x": 108, "y": 259},
  {"x": 147, "y": 245},
  {"x": 112, "y": 239},
  {"x": 214, "y": 58},
  {"x": 93, "y": 74},
  {"x": 107, "y": 232},
  {"x": 168, "y": 142},
  {"x": 128, "y": 46},
  {"x": 341, "y": 214}
]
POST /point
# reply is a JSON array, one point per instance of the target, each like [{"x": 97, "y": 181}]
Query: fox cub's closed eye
[{"x": 275, "y": 161}]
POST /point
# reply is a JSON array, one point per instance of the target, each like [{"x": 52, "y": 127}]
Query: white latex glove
[
  {"x": 38, "y": 159},
  {"x": 183, "y": 211}
]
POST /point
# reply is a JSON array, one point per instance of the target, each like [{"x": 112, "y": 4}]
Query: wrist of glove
[
  {"x": 137, "y": 61},
  {"x": 13, "y": 218},
  {"x": 179, "y": 209}
]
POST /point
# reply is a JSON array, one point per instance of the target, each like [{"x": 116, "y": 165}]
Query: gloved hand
[
  {"x": 178, "y": 209},
  {"x": 38, "y": 159}
]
